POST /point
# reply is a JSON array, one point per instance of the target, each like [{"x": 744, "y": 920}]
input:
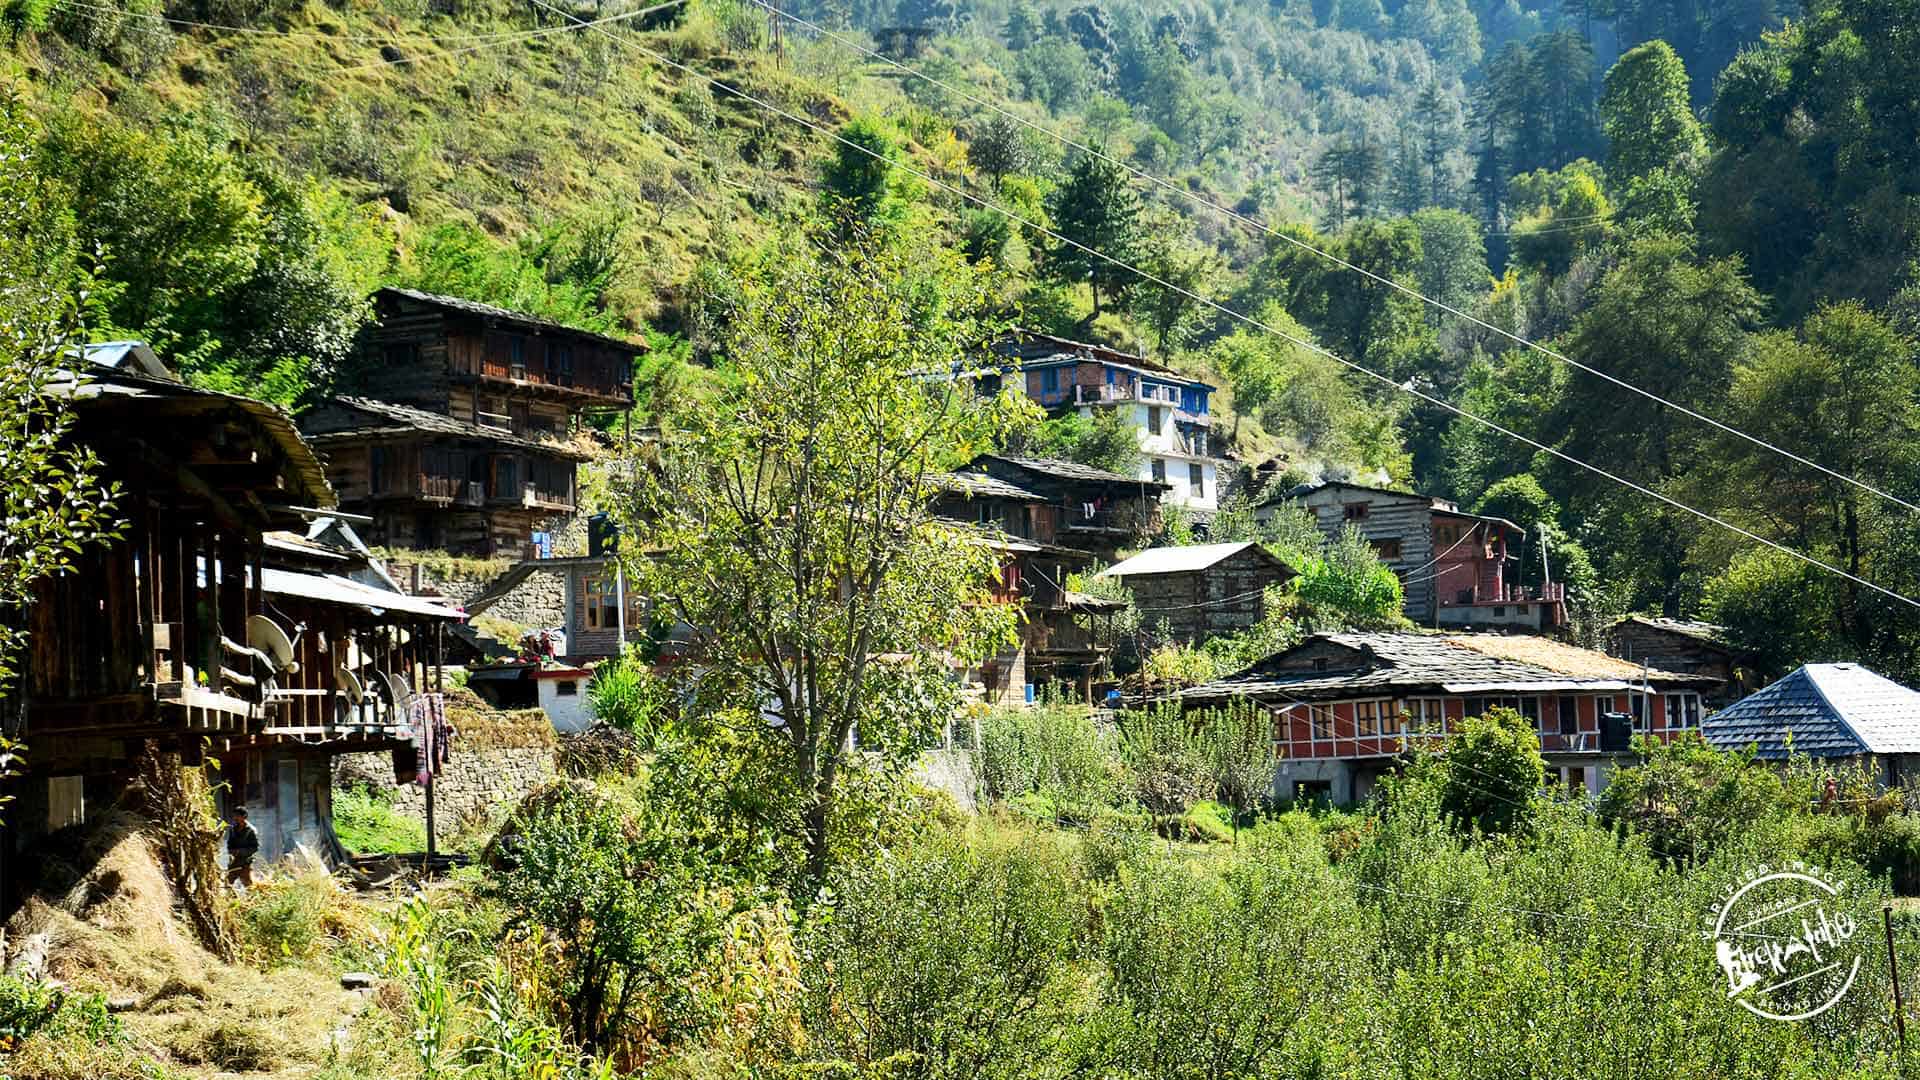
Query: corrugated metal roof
[
  {"x": 1828, "y": 710},
  {"x": 489, "y": 311},
  {"x": 1178, "y": 560},
  {"x": 333, "y": 589},
  {"x": 1399, "y": 663},
  {"x": 406, "y": 418}
]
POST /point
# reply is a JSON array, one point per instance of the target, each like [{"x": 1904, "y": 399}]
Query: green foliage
[
  {"x": 626, "y": 694},
  {"x": 54, "y": 499},
  {"x": 953, "y": 958},
  {"x": 625, "y": 897},
  {"x": 862, "y": 176},
  {"x": 1346, "y": 585},
  {"x": 1059, "y": 752},
  {"x": 1097, "y": 210},
  {"x": 31, "y": 1008},
  {"x": 1492, "y": 773},
  {"x": 1107, "y": 440},
  {"x": 367, "y": 823},
  {"x": 1689, "y": 800},
  {"x": 813, "y": 475},
  {"x": 559, "y": 274},
  {"x": 1647, "y": 115}
]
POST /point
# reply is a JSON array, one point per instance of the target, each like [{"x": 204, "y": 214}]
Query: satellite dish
[
  {"x": 355, "y": 659},
  {"x": 349, "y": 684},
  {"x": 398, "y": 692},
  {"x": 265, "y": 635}
]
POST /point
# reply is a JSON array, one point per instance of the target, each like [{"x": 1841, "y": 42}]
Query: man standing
[{"x": 243, "y": 843}]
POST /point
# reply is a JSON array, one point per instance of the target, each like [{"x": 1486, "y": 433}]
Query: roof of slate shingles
[
  {"x": 1706, "y": 633},
  {"x": 489, "y": 311},
  {"x": 391, "y": 418},
  {"x": 1070, "y": 470},
  {"x": 976, "y": 485},
  {"x": 1826, "y": 710},
  {"x": 1451, "y": 663}
]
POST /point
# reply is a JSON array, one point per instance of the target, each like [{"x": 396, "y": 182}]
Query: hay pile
[
  {"x": 107, "y": 919},
  {"x": 483, "y": 727}
]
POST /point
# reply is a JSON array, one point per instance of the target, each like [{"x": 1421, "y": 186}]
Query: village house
[
  {"x": 1456, "y": 569},
  {"x": 1056, "y": 644},
  {"x": 1830, "y": 712},
  {"x": 1168, "y": 410},
  {"x": 1684, "y": 645},
  {"x": 224, "y": 622},
  {"x": 1189, "y": 594},
  {"x": 1346, "y": 706},
  {"x": 1058, "y": 502},
  {"x": 462, "y": 430}
]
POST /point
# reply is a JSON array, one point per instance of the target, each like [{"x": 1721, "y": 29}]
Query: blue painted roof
[{"x": 1828, "y": 710}]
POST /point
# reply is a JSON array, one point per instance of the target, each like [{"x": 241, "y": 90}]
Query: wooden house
[
  {"x": 461, "y": 429},
  {"x": 1346, "y": 706},
  {"x": 1021, "y": 525},
  {"x": 1684, "y": 645},
  {"x": 1056, "y": 502},
  {"x": 198, "y": 631},
  {"x": 1456, "y": 569},
  {"x": 1189, "y": 594}
]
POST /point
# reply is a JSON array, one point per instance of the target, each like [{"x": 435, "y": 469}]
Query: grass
[{"x": 367, "y": 824}]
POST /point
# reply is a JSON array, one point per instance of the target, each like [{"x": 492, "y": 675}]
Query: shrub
[
  {"x": 626, "y": 694},
  {"x": 1057, "y": 752},
  {"x": 954, "y": 955},
  {"x": 1493, "y": 772},
  {"x": 1689, "y": 799},
  {"x": 290, "y": 918},
  {"x": 366, "y": 823}
]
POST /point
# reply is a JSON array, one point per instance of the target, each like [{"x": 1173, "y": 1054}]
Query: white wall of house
[
  {"x": 1175, "y": 458},
  {"x": 565, "y": 702}
]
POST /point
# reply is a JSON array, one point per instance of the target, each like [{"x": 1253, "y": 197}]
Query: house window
[
  {"x": 1427, "y": 716},
  {"x": 517, "y": 356},
  {"x": 1159, "y": 470},
  {"x": 1050, "y": 382},
  {"x": 1445, "y": 536},
  {"x": 1197, "y": 479},
  {"x": 1155, "y": 417},
  {"x": 1569, "y": 716},
  {"x": 562, "y": 357},
  {"x": 1529, "y": 707},
  {"x": 1387, "y": 550},
  {"x": 599, "y": 596},
  {"x": 1354, "y": 511},
  {"x": 1683, "y": 710},
  {"x": 1476, "y": 706},
  {"x": 1637, "y": 704},
  {"x": 566, "y": 687},
  {"x": 1320, "y": 719},
  {"x": 506, "y": 477},
  {"x": 1366, "y": 718}
]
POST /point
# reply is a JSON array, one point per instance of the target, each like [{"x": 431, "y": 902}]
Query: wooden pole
[
  {"x": 433, "y": 778},
  {"x": 1893, "y": 972}
]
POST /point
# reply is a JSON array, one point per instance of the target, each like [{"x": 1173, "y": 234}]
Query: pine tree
[{"x": 1098, "y": 209}]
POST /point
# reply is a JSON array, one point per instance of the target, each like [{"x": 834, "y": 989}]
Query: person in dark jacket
[{"x": 243, "y": 843}]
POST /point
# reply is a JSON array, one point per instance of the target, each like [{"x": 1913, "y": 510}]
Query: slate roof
[
  {"x": 391, "y": 418},
  {"x": 1071, "y": 470},
  {"x": 1180, "y": 560},
  {"x": 1828, "y": 710},
  {"x": 1703, "y": 632},
  {"x": 981, "y": 486},
  {"x": 489, "y": 311},
  {"x": 1398, "y": 663}
]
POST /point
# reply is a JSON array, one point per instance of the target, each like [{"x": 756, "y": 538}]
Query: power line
[
  {"x": 1335, "y": 259},
  {"x": 1251, "y": 321}
]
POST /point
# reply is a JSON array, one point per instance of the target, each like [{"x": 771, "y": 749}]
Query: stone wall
[
  {"x": 539, "y": 601},
  {"x": 474, "y": 783}
]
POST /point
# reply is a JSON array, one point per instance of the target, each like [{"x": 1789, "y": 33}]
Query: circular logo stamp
[{"x": 1785, "y": 942}]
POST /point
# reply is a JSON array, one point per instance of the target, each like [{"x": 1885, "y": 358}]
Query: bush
[
  {"x": 955, "y": 954},
  {"x": 366, "y": 823},
  {"x": 1059, "y": 753},
  {"x": 626, "y": 694},
  {"x": 291, "y": 918},
  {"x": 1492, "y": 773}
]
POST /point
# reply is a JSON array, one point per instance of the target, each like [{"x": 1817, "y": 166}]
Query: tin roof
[
  {"x": 1180, "y": 560},
  {"x": 1826, "y": 710},
  {"x": 1395, "y": 663}
]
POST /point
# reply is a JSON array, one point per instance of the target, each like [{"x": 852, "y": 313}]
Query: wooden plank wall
[{"x": 1406, "y": 518}]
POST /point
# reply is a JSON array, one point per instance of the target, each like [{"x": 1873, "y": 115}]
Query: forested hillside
[{"x": 1705, "y": 201}]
